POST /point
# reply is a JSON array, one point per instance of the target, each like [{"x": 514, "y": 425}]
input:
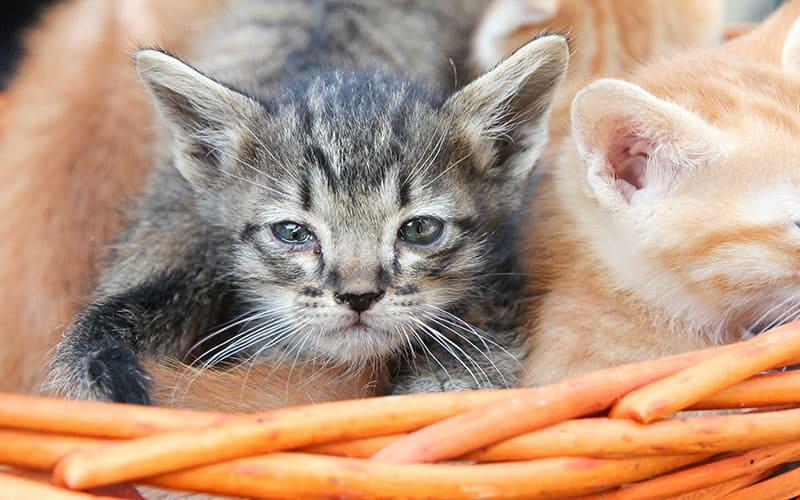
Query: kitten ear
[
  {"x": 634, "y": 145},
  {"x": 504, "y": 113},
  {"x": 790, "y": 55},
  {"x": 203, "y": 115},
  {"x": 503, "y": 18}
]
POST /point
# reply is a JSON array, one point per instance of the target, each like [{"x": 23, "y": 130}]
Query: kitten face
[
  {"x": 387, "y": 234},
  {"x": 693, "y": 203},
  {"x": 360, "y": 206}
]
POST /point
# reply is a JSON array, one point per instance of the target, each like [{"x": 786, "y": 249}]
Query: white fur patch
[{"x": 790, "y": 56}]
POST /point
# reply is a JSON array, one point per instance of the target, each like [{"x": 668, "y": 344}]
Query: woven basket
[{"x": 611, "y": 432}]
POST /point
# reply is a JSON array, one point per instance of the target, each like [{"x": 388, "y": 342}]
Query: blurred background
[
  {"x": 17, "y": 15},
  {"x": 750, "y": 10}
]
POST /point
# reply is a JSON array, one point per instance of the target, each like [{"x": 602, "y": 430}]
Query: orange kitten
[
  {"x": 609, "y": 37},
  {"x": 75, "y": 147},
  {"x": 671, "y": 220}
]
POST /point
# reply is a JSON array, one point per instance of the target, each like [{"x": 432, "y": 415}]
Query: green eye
[
  {"x": 292, "y": 233},
  {"x": 421, "y": 230}
]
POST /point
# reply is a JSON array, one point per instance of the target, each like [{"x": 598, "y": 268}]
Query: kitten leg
[
  {"x": 99, "y": 357},
  {"x": 97, "y": 360},
  {"x": 162, "y": 290}
]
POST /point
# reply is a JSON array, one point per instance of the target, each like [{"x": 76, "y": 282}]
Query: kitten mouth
[{"x": 359, "y": 325}]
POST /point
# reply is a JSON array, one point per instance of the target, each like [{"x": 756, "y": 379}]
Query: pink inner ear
[{"x": 628, "y": 159}]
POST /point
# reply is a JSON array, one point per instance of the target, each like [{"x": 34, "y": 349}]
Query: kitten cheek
[
  {"x": 431, "y": 295},
  {"x": 408, "y": 258},
  {"x": 308, "y": 261}
]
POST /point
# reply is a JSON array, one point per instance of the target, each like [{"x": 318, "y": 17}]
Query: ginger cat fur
[
  {"x": 609, "y": 38},
  {"x": 258, "y": 386},
  {"x": 671, "y": 220},
  {"x": 75, "y": 148}
]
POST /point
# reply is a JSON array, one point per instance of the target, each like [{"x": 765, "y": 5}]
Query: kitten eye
[
  {"x": 421, "y": 230},
  {"x": 292, "y": 233}
]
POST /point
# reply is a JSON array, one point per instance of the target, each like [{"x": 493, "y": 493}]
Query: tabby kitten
[
  {"x": 670, "y": 222},
  {"x": 314, "y": 202}
]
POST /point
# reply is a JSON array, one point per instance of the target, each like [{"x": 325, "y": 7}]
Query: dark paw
[{"x": 116, "y": 374}]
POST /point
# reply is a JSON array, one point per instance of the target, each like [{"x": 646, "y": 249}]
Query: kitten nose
[{"x": 359, "y": 302}]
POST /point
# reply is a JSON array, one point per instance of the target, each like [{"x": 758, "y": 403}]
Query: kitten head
[
  {"x": 360, "y": 206},
  {"x": 689, "y": 191}
]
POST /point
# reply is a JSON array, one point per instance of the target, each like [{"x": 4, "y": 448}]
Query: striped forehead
[
  {"x": 363, "y": 143},
  {"x": 401, "y": 178},
  {"x": 374, "y": 189}
]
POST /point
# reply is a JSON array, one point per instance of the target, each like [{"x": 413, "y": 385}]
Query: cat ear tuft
[
  {"x": 503, "y": 114},
  {"x": 201, "y": 113},
  {"x": 790, "y": 55},
  {"x": 633, "y": 145}
]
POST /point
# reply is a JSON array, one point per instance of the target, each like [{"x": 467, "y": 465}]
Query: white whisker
[
  {"x": 430, "y": 355},
  {"x": 450, "y": 167},
  {"x": 445, "y": 343},
  {"x": 485, "y": 337},
  {"x": 486, "y": 354}
]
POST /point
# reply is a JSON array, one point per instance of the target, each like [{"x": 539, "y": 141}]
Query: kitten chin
[{"x": 706, "y": 249}]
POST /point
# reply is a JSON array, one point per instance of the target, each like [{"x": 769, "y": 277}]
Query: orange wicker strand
[
  {"x": 33, "y": 475},
  {"x": 295, "y": 475},
  {"x": 787, "y": 485},
  {"x": 720, "y": 490},
  {"x": 119, "y": 421},
  {"x": 533, "y": 409},
  {"x": 273, "y": 431},
  {"x": 602, "y": 437},
  {"x": 772, "y": 389},
  {"x": 624, "y": 438},
  {"x": 598, "y": 437},
  {"x": 28, "y": 448},
  {"x": 88, "y": 418},
  {"x": 708, "y": 475},
  {"x": 599, "y": 456},
  {"x": 39, "y": 451},
  {"x": 19, "y": 487},
  {"x": 685, "y": 388},
  {"x": 359, "y": 448}
]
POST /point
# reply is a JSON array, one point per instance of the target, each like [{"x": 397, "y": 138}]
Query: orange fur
[
  {"x": 75, "y": 149},
  {"x": 609, "y": 37},
  {"x": 260, "y": 385},
  {"x": 706, "y": 247},
  {"x": 736, "y": 30}
]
